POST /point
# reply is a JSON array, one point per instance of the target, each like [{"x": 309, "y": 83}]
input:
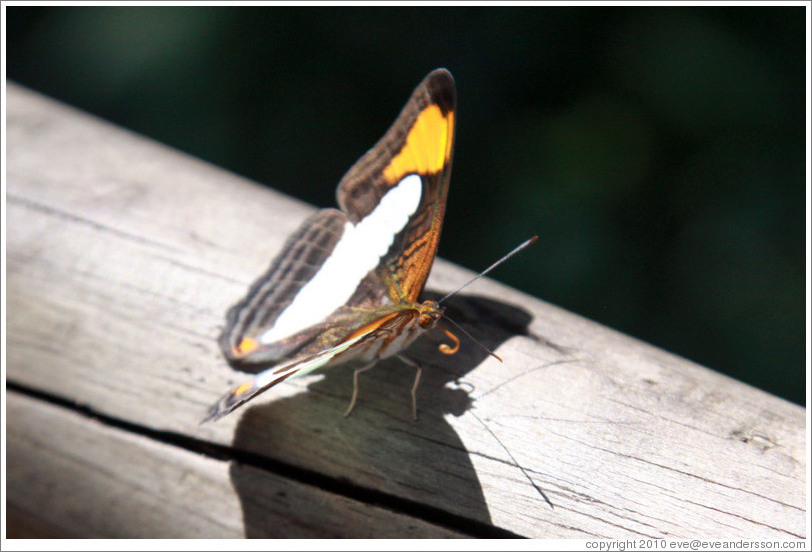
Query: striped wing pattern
[
  {"x": 267, "y": 379},
  {"x": 420, "y": 143},
  {"x": 303, "y": 255},
  {"x": 371, "y": 341}
]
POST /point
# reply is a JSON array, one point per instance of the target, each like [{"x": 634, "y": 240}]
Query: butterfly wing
[
  {"x": 270, "y": 377},
  {"x": 366, "y": 341},
  {"x": 420, "y": 143},
  {"x": 339, "y": 268},
  {"x": 302, "y": 256}
]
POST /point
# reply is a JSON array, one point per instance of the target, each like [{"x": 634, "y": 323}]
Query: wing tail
[
  {"x": 263, "y": 381},
  {"x": 238, "y": 397}
]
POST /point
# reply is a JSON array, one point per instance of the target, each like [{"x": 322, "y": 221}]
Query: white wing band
[{"x": 357, "y": 252}]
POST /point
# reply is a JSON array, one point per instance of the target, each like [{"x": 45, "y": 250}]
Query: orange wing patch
[
  {"x": 427, "y": 148},
  {"x": 242, "y": 389},
  {"x": 246, "y": 346}
]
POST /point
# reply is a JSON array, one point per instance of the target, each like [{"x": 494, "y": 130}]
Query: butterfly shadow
[{"x": 378, "y": 454}]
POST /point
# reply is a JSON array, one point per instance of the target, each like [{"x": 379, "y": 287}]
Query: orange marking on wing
[
  {"x": 416, "y": 244},
  {"x": 246, "y": 346},
  {"x": 427, "y": 148},
  {"x": 241, "y": 389}
]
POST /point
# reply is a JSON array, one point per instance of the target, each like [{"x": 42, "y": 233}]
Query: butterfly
[{"x": 345, "y": 288}]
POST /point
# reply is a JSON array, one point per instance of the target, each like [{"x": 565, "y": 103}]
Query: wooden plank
[
  {"x": 123, "y": 257},
  {"x": 104, "y": 482}
]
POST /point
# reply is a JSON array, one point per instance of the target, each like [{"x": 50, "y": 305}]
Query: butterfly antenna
[{"x": 524, "y": 245}]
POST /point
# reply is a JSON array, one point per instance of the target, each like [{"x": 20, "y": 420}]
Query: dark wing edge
[
  {"x": 404, "y": 269},
  {"x": 296, "y": 367},
  {"x": 362, "y": 187},
  {"x": 409, "y": 260},
  {"x": 303, "y": 254}
]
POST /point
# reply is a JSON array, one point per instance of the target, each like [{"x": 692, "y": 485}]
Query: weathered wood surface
[
  {"x": 114, "y": 483},
  {"x": 123, "y": 257}
]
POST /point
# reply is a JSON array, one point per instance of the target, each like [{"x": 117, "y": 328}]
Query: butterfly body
[{"x": 346, "y": 286}]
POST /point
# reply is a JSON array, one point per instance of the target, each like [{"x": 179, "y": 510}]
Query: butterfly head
[{"x": 430, "y": 313}]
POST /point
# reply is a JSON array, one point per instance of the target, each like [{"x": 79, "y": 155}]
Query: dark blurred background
[{"x": 659, "y": 152}]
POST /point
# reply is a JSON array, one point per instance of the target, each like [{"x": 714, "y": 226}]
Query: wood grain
[
  {"x": 123, "y": 257},
  {"x": 106, "y": 482}
]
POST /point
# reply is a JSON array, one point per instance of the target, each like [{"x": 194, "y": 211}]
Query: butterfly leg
[
  {"x": 355, "y": 386},
  {"x": 419, "y": 373}
]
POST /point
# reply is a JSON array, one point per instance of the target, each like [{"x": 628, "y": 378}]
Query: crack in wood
[{"x": 342, "y": 487}]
